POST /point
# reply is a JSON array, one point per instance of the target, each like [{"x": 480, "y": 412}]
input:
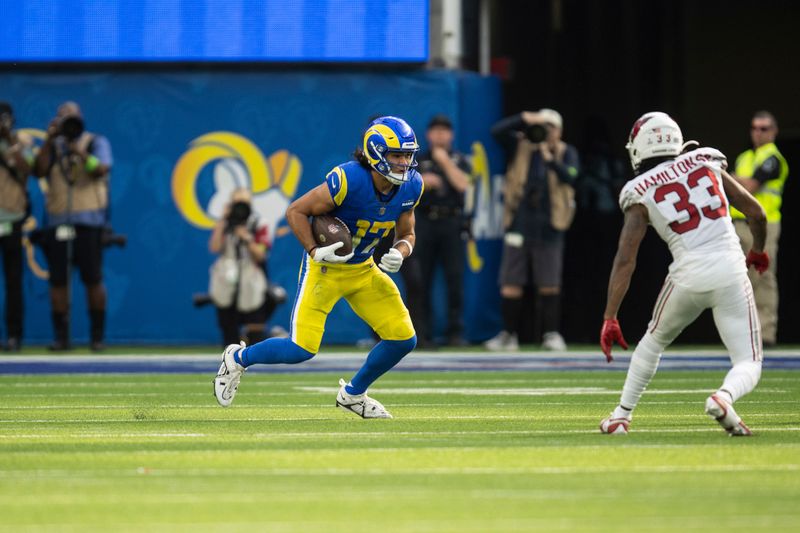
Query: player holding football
[
  {"x": 372, "y": 195},
  {"x": 685, "y": 197}
]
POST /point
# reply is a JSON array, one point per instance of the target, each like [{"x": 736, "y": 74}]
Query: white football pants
[{"x": 736, "y": 319}]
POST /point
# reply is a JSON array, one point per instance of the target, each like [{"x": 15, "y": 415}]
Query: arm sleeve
[
  {"x": 505, "y": 128},
  {"x": 769, "y": 170},
  {"x": 568, "y": 170},
  {"x": 336, "y": 180},
  {"x": 505, "y": 133}
]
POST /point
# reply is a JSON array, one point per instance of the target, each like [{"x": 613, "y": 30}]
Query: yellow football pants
[{"x": 370, "y": 292}]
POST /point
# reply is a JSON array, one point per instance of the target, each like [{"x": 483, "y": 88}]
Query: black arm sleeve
[
  {"x": 505, "y": 130},
  {"x": 562, "y": 171},
  {"x": 568, "y": 170},
  {"x": 769, "y": 170},
  {"x": 508, "y": 126}
]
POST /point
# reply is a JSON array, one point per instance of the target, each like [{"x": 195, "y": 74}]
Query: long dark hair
[{"x": 361, "y": 157}]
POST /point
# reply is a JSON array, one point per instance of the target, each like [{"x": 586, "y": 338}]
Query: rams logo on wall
[{"x": 238, "y": 163}]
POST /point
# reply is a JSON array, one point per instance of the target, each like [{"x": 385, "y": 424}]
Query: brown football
[{"x": 328, "y": 229}]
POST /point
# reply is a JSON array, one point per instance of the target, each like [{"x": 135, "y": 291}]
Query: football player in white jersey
[{"x": 685, "y": 195}]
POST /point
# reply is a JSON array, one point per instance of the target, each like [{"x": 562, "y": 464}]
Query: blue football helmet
[{"x": 390, "y": 134}]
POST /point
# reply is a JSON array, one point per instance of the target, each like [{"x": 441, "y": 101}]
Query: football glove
[
  {"x": 610, "y": 334},
  {"x": 391, "y": 260},
  {"x": 327, "y": 254},
  {"x": 758, "y": 260}
]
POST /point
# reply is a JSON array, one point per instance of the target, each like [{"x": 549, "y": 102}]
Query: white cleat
[
  {"x": 615, "y": 426},
  {"x": 503, "y": 342},
  {"x": 226, "y": 383},
  {"x": 721, "y": 411},
  {"x": 360, "y": 404},
  {"x": 553, "y": 341}
]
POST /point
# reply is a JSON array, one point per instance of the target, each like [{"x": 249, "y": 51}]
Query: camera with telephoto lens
[
  {"x": 537, "y": 133},
  {"x": 238, "y": 214},
  {"x": 71, "y": 127}
]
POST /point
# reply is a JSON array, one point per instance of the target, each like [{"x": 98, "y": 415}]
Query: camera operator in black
[
  {"x": 538, "y": 209},
  {"x": 16, "y": 159},
  {"x": 239, "y": 286},
  {"x": 76, "y": 164},
  {"x": 440, "y": 233}
]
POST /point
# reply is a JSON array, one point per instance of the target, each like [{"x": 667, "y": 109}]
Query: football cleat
[
  {"x": 503, "y": 342},
  {"x": 721, "y": 411},
  {"x": 226, "y": 383},
  {"x": 360, "y": 404},
  {"x": 615, "y": 426},
  {"x": 553, "y": 341}
]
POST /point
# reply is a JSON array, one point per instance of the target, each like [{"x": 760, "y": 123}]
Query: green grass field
[{"x": 466, "y": 452}]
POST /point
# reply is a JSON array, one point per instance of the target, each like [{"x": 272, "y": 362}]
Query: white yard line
[
  {"x": 195, "y": 407},
  {"x": 377, "y": 434},
  {"x": 549, "y": 391},
  {"x": 372, "y": 471}
]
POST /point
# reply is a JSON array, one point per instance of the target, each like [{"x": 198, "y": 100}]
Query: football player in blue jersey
[{"x": 372, "y": 195}]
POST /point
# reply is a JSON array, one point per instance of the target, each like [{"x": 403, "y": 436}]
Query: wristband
[
  {"x": 92, "y": 163},
  {"x": 410, "y": 248},
  {"x": 310, "y": 251}
]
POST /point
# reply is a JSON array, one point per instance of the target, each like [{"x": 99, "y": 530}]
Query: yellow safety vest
[{"x": 769, "y": 195}]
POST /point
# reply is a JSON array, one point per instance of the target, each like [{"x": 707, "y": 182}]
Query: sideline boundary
[{"x": 350, "y": 361}]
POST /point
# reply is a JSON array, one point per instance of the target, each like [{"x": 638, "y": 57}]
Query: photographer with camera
[
  {"x": 16, "y": 158},
  {"x": 76, "y": 165},
  {"x": 539, "y": 204},
  {"x": 239, "y": 288}
]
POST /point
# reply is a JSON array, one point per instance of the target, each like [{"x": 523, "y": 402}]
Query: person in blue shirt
[
  {"x": 77, "y": 166},
  {"x": 372, "y": 195}
]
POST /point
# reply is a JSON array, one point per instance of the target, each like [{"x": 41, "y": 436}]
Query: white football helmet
[{"x": 655, "y": 134}]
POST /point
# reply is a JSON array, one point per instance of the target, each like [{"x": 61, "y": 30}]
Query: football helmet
[
  {"x": 385, "y": 135},
  {"x": 655, "y": 134}
]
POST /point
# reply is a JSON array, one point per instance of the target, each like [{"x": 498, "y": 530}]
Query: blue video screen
[{"x": 214, "y": 30}]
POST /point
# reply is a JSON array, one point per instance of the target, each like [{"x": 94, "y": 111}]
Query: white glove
[
  {"x": 391, "y": 260},
  {"x": 327, "y": 254}
]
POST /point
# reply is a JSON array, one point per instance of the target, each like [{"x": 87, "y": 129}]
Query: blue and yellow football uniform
[{"x": 371, "y": 293}]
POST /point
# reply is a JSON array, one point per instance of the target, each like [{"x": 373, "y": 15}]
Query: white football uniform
[{"x": 687, "y": 206}]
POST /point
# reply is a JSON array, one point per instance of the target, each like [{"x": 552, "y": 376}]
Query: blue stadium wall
[{"x": 181, "y": 139}]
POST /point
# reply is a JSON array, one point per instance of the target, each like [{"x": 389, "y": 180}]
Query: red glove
[
  {"x": 759, "y": 260},
  {"x": 610, "y": 334}
]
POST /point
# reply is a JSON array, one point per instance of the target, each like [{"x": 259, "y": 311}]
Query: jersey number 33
[{"x": 681, "y": 197}]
